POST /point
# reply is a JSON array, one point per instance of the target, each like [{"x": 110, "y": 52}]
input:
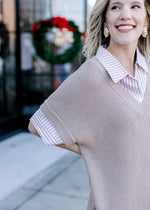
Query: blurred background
[
  {"x": 32, "y": 175},
  {"x": 25, "y": 79}
]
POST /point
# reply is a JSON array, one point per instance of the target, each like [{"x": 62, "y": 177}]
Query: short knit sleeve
[
  {"x": 65, "y": 106},
  {"x": 60, "y": 109}
]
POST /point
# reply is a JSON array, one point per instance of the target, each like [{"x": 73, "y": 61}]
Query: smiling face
[{"x": 126, "y": 20}]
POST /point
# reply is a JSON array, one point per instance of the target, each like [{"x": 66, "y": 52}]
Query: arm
[{"x": 73, "y": 147}]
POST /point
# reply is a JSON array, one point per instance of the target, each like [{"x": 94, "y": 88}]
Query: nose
[{"x": 125, "y": 13}]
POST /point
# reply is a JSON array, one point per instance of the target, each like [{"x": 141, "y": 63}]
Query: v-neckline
[{"x": 140, "y": 108}]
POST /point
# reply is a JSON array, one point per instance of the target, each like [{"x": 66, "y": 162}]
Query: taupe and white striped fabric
[
  {"x": 45, "y": 128},
  {"x": 135, "y": 86},
  {"x": 112, "y": 131}
]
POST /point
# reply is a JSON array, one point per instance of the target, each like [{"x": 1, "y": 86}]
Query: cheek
[
  {"x": 109, "y": 18},
  {"x": 141, "y": 21},
  {"x": 110, "y": 23},
  {"x": 142, "y": 18}
]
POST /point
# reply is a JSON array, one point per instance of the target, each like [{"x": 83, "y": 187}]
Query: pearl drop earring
[
  {"x": 145, "y": 32},
  {"x": 106, "y": 31}
]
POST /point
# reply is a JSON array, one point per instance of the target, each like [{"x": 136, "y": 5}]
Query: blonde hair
[{"x": 95, "y": 27}]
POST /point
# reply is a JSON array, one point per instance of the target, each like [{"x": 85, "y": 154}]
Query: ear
[{"x": 105, "y": 23}]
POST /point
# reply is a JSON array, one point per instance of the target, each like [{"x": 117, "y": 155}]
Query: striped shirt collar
[{"x": 113, "y": 66}]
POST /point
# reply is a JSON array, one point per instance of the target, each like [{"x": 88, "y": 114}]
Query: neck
[{"x": 125, "y": 55}]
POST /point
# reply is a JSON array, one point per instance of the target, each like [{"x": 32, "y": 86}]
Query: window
[{"x": 39, "y": 77}]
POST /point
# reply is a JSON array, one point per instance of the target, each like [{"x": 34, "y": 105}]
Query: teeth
[{"x": 125, "y": 27}]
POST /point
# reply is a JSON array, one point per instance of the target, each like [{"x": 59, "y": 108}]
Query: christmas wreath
[{"x": 41, "y": 28}]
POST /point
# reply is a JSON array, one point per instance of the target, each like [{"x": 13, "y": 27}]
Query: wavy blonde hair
[{"x": 95, "y": 27}]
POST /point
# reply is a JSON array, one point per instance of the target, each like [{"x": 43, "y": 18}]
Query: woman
[{"x": 103, "y": 109}]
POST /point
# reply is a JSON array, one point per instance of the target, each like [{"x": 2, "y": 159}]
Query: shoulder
[
  {"x": 87, "y": 77},
  {"x": 78, "y": 88},
  {"x": 89, "y": 72},
  {"x": 91, "y": 64}
]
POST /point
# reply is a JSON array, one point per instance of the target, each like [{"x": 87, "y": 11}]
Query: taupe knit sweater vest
[{"x": 112, "y": 130}]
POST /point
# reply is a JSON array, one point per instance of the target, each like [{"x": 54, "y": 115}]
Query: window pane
[{"x": 70, "y": 9}]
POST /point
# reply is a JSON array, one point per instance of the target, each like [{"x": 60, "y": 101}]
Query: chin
[{"x": 127, "y": 42}]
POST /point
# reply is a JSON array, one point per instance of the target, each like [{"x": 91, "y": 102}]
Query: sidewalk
[{"x": 55, "y": 179}]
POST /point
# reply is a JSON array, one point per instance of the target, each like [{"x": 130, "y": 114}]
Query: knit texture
[{"x": 112, "y": 130}]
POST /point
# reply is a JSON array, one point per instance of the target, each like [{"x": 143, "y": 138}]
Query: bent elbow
[{"x": 32, "y": 129}]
